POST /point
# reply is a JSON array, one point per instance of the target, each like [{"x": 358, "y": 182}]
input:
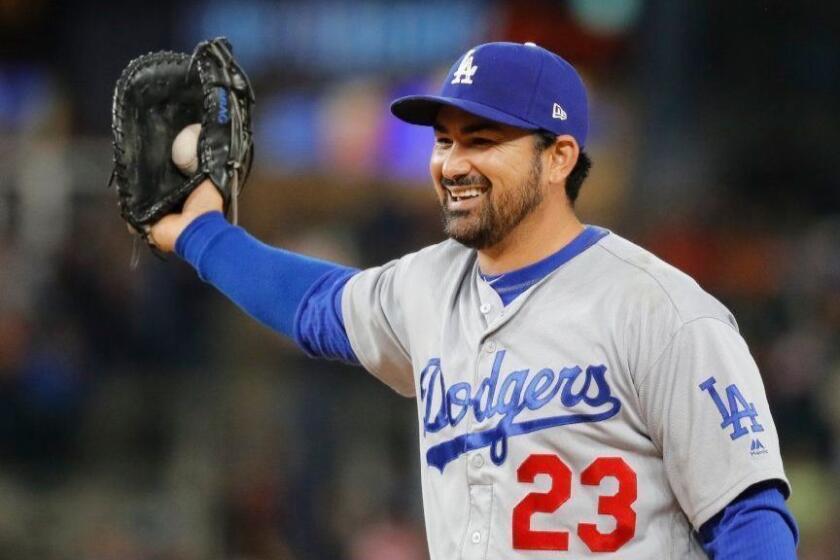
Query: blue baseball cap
[{"x": 522, "y": 85}]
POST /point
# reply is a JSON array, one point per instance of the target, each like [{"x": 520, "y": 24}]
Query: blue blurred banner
[{"x": 339, "y": 37}]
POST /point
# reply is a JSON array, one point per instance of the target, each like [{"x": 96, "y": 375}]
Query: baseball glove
[{"x": 157, "y": 95}]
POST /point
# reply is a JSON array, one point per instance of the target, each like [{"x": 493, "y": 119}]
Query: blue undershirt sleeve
[
  {"x": 295, "y": 295},
  {"x": 755, "y": 525}
]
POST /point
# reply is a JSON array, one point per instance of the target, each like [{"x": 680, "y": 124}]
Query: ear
[{"x": 562, "y": 157}]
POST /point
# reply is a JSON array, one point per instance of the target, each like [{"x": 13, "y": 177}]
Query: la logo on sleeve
[{"x": 735, "y": 410}]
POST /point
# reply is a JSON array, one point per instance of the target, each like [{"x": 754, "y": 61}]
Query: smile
[{"x": 464, "y": 193}]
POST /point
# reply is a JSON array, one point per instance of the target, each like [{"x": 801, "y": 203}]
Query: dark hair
[{"x": 574, "y": 181}]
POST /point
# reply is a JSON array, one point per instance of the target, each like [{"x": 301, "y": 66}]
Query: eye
[
  {"x": 442, "y": 141},
  {"x": 482, "y": 141}
]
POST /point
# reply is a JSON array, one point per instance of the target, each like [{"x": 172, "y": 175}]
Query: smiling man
[
  {"x": 576, "y": 396},
  {"x": 493, "y": 193}
]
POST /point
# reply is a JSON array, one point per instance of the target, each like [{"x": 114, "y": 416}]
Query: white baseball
[{"x": 185, "y": 149}]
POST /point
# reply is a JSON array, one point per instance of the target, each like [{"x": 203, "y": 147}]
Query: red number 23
[{"x": 618, "y": 506}]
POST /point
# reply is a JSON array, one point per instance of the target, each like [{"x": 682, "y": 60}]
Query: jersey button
[
  {"x": 490, "y": 346},
  {"x": 478, "y": 461},
  {"x": 476, "y": 537},
  {"x": 485, "y": 308}
]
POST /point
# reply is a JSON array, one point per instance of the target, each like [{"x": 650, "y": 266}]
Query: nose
[{"x": 456, "y": 163}]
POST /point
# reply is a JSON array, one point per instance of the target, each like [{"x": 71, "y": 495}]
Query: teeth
[{"x": 464, "y": 194}]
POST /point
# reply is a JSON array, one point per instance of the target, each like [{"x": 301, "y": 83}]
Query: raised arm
[{"x": 295, "y": 295}]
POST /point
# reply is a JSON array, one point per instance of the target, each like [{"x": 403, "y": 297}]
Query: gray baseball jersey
[{"x": 603, "y": 413}]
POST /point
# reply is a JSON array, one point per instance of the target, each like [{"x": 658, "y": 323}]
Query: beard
[{"x": 493, "y": 220}]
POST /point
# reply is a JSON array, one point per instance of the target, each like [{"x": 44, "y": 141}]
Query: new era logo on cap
[{"x": 525, "y": 86}]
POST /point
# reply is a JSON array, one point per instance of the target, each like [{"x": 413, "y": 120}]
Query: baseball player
[{"x": 576, "y": 396}]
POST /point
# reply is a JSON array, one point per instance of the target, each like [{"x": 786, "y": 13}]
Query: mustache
[{"x": 466, "y": 181}]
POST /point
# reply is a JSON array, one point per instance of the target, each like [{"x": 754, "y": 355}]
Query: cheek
[
  {"x": 436, "y": 172},
  {"x": 511, "y": 177},
  {"x": 435, "y": 165}
]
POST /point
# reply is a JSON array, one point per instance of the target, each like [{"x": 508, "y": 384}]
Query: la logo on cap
[
  {"x": 558, "y": 113},
  {"x": 466, "y": 70}
]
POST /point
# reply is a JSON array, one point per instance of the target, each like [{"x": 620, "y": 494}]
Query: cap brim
[{"x": 423, "y": 110}]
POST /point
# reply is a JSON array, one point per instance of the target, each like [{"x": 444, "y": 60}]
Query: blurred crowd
[{"x": 142, "y": 416}]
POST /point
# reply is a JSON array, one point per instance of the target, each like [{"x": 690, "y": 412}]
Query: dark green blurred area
[{"x": 143, "y": 416}]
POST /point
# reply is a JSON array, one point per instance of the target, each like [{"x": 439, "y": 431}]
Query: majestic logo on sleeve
[
  {"x": 737, "y": 411},
  {"x": 587, "y": 391}
]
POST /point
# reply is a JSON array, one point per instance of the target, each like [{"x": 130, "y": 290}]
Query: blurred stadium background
[{"x": 142, "y": 416}]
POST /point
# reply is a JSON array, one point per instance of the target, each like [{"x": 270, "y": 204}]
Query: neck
[{"x": 544, "y": 232}]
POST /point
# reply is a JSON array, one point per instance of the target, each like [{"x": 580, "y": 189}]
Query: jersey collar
[{"x": 510, "y": 284}]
